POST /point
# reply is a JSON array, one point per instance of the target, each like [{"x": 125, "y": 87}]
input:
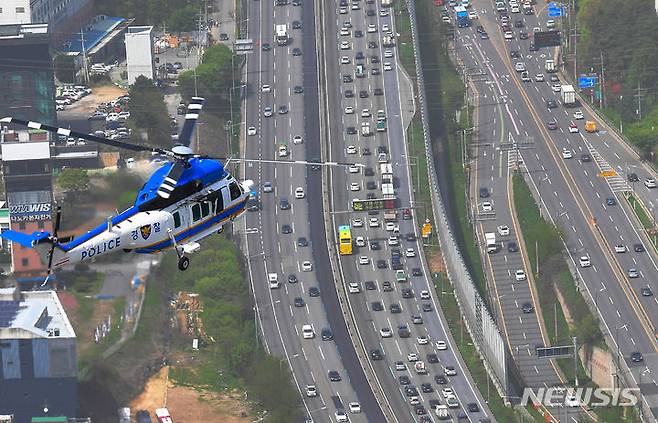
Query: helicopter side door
[{"x": 181, "y": 219}]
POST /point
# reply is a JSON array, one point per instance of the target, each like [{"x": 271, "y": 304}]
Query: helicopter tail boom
[{"x": 42, "y": 242}]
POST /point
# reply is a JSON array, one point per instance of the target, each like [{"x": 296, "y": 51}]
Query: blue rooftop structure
[{"x": 93, "y": 34}]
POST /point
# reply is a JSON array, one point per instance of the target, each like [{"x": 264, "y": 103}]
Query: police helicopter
[{"x": 187, "y": 199}]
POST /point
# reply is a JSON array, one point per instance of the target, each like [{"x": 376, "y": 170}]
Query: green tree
[
  {"x": 73, "y": 179},
  {"x": 183, "y": 20},
  {"x": 65, "y": 68},
  {"x": 148, "y": 112}
]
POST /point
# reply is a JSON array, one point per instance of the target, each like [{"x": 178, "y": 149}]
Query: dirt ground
[
  {"x": 186, "y": 404},
  {"x": 82, "y": 325},
  {"x": 435, "y": 261},
  {"x": 98, "y": 95}
]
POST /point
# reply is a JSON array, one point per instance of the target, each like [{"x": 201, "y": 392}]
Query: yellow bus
[{"x": 344, "y": 240}]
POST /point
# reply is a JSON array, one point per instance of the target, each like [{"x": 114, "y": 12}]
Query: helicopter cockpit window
[
  {"x": 177, "y": 221},
  {"x": 196, "y": 212},
  {"x": 205, "y": 208},
  {"x": 234, "y": 189}
]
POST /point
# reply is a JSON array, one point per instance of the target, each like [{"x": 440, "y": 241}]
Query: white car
[
  {"x": 388, "y": 54},
  {"x": 410, "y": 252},
  {"x": 487, "y": 206},
  {"x": 550, "y": 23},
  {"x": 584, "y": 261},
  {"x": 308, "y": 332},
  {"x": 387, "y": 66},
  {"x": 283, "y": 151},
  {"x": 424, "y": 295},
  {"x": 354, "y": 169},
  {"x": 311, "y": 391},
  {"x": 355, "y": 186},
  {"x": 373, "y": 222},
  {"x": 267, "y": 186},
  {"x": 571, "y": 401},
  {"x": 412, "y": 357},
  {"x": 251, "y": 131},
  {"x": 400, "y": 366},
  {"x": 386, "y": 28},
  {"x": 472, "y": 15},
  {"x": 447, "y": 393},
  {"x": 365, "y": 113},
  {"x": 539, "y": 77},
  {"x": 519, "y": 66},
  {"x": 353, "y": 288},
  {"x": 372, "y": 28},
  {"x": 266, "y": 88},
  {"x": 349, "y": 110},
  {"x": 515, "y": 9},
  {"x": 307, "y": 266},
  {"x": 441, "y": 345},
  {"x": 422, "y": 340},
  {"x": 620, "y": 248},
  {"x": 357, "y": 223},
  {"x": 578, "y": 114},
  {"x": 509, "y": 35},
  {"x": 503, "y": 230},
  {"x": 383, "y": 13},
  {"x": 351, "y": 149},
  {"x": 650, "y": 183},
  {"x": 297, "y": 139},
  {"x": 345, "y": 60},
  {"x": 519, "y": 275},
  {"x": 566, "y": 153},
  {"x": 573, "y": 128},
  {"x": 386, "y": 332},
  {"x": 340, "y": 416},
  {"x": 364, "y": 260},
  {"x": 360, "y": 241},
  {"x": 343, "y": 10},
  {"x": 344, "y": 32},
  {"x": 390, "y": 226},
  {"x": 355, "y": 407},
  {"x": 345, "y": 45},
  {"x": 556, "y": 88},
  {"x": 299, "y": 193},
  {"x": 393, "y": 241}
]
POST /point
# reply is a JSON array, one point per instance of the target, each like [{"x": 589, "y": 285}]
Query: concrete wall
[{"x": 9, "y": 14}]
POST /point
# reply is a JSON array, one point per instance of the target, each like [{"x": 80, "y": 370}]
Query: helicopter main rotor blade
[
  {"x": 288, "y": 162},
  {"x": 191, "y": 118},
  {"x": 71, "y": 133}
]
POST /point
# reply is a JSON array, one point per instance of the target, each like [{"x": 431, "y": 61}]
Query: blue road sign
[
  {"x": 587, "y": 81},
  {"x": 555, "y": 12}
]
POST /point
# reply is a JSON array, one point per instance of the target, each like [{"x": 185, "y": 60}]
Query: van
[
  {"x": 273, "y": 280},
  {"x": 360, "y": 71}
]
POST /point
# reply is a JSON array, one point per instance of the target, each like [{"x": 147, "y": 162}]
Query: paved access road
[
  {"x": 274, "y": 78},
  {"x": 354, "y": 36}
]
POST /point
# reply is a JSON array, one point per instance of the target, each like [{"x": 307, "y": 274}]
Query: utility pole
[
  {"x": 575, "y": 50},
  {"x": 639, "y": 96},
  {"x": 602, "y": 82},
  {"x": 84, "y": 57},
  {"x": 575, "y": 360}
]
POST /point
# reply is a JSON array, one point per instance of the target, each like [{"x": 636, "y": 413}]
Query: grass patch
[{"x": 640, "y": 212}]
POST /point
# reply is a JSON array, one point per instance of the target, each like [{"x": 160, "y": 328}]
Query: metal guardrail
[{"x": 485, "y": 333}]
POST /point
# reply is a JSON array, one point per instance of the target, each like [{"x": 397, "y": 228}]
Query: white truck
[
  {"x": 163, "y": 415},
  {"x": 492, "y": 247},
  {"x": 388, "y": 191},
  {"x": 388, "y": 41},
  {"x": 365, "y": 129},
  {"x": 568, "y": 96},
  {"x": 441, "y": 412},
  {"x": 281, "y": 35},
  {"x": 387, "y": 172},
  {"x": 549, "y": 66},
  {"x": 420, "y": 368},
  {"x": 387, "y": 3}
]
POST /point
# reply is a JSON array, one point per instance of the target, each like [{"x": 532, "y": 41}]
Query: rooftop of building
[
  {"x": 99, "y": 28},
  {"x": 32, "y": 314},
  {"x": 22, "y": 30}
]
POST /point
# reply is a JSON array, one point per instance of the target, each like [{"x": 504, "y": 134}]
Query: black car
[
  {"x": 284, "y": 204},
  {"x": 646, "y": 291},
  {"x": 292, "y": 279},
  {"x": 407, "y": 293},
  {"x": 440, "y": 379},
  {"x": 370, "y": 196},
  {"x": 313, "y": 292},
  {"x": 382, "y": 149},
  {"x": 334, "y": 376},
  {"x": 376, "y": 71},
  {"x": 404, "y": 380},
  {"x": 515, "y": 54},
  {"x": 523, "y": 35},
  {"x": 551, "y": 104},
  {"x": 381, "y": 264},
  {"x": 377, "y": 306},
  {"x": 610, "y": 201},
  {"x": 512, "y": 247},
  {"x": 403, "y": 331},
  {"x": 296, "y": 25},
  {"x": 296, "y": 51},
  {"x": 302, "y": 242},
  {"x": 532, "y": 47},
  {"x": 420, "y": 410},
  {"x": 638, "y": 248},
  {"x": 527, "y": 308},
  {"x": 286, "y": 229},
  {"x": 370, "y": 285},
  {"x": 363, "y": 94},
  {"x": 378, "y": 91},
  {"x": 283, "y": 109},
  {"x": 370, "y": 185},
  {"x": 374, "y": 59},
  {"x": 480, "y": 29},
  {"x": 410, "y": 391},
  {"x": 358, "y": 33},
  {"x": 472, "y": 407},
  {"x": 143, "y": 416},
  {"x": 351, "y": 130},
  {"x": 368, "y": 171},
  {"x": 416, "y": 271},
  {"x": 410, "y": 237},
  {"x": 427, "y": 307},
  {"x": 433, "y": 403},
  {"x": 427, "y": 388},
  {"x": 296, "y": 2},
  {"x": 266, "y": 47},
  {"x": 484, "y": 192},
  {"x": 359, "y": 55},
  {"x": 432, "y": 358},
  {"x": 376, "y": 355},
  {"x": 349, "y": 93},
  {"x": 636, "y": 357},
  {"x": 395, "y": 308},
  {"x": 386, "y": 286},
  {"x": 298, "y": 89},
  {"x": 371, "y": 12},
  {"x": 585, "y": 158},
  {"x": 299, "y": 302},
  {"x": 366, "y": 152},
  {"x": 518, "y": 23},
  {"x": 632, "y": 177},
  {"x": 372, "y": 44},
  {"x": 326, "y": 334},
  {"x": 374, "y": 245},
  {"x": 347, "y": 78},
  {"x": 484, "y": 36}
]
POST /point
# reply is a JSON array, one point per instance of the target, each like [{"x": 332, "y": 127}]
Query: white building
[
  {"x": 139, "y": 52},
  {"x": 15, "y": 12}
]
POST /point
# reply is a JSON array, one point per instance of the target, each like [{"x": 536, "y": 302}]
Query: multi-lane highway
[
  {"x": 284, "y": 233},
  {"x": 363, "y": 79},
  {"x": 564, "y": 167}
]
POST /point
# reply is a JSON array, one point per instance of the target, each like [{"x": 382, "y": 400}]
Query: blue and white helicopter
[{"x": 183, "y": 202}]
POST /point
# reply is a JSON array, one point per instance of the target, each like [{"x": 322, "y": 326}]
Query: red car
[
  {"x": 438, "y": 2},
  {"x": 406, "y": 214}
]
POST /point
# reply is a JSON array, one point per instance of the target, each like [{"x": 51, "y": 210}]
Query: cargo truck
[
  {"x": 420, "y": 368},
  {"x": 387, "y": 3},
  {"x": 387, "y": 41},
  {"x": 568, "y": 96},
  {"x": 281, "y": 35},
  {"x": 492, "y": 247},
  {"x": 365, "y": 129},
  {"x": 461, "y": 15},
  {"x": 387, "y": 191},
  {"x": 549, "y": 66},
  {"x": 387, "y": 172},
  {"x": 441, "y": 412},
  {"x": 390, "y": 215}
]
